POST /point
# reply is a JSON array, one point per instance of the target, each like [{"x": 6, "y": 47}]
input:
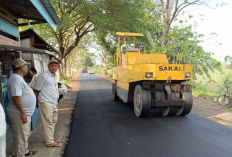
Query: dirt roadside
[{"x": 206, "y": 108}]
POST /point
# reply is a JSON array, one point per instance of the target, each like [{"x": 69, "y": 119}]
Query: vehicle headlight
[
  {"x": 187, "y": 74},
  {"x": 148, "y": 75}
]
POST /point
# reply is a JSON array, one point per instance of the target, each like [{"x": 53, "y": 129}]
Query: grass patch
[
  {"x": 211, "y": 90},
  {"x": 110, "y": 74},
  {"x": 216, "y": 75},
  {"x": 65, "y": 79},
  {"x": 77, "y": 73}
]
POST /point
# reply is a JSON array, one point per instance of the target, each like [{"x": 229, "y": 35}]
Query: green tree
[
  {"x": 80, "y": 17},
  {"x": 229, "y": 67},
  {"x": 228, "y": 59},
  {"x": 180, "y": 43},
  {"x": 167, "y": 11},
  {"x": 88, "y": 61}
]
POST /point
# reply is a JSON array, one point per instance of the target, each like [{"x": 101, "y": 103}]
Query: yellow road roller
[
  {"x": 155, "y": 87},
  {"x": 90, "y": 70}
]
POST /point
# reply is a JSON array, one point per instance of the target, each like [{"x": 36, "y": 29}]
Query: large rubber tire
[
  {"x": 170, "y": 111},
  {"x": 114, "y": 91},
  {"x": 142, "y": 101},
  {"x": 173, "y": 110},
  {"x": 158, "y": 111},
  {"x": 223, "y": 100},
  {"x": 188, "y": 103}
]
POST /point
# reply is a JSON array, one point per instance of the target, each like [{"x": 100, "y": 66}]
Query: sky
[{"x": 217, "y": 20}]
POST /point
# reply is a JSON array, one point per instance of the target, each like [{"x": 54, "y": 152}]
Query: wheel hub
[{"x": 138, "y": 100}]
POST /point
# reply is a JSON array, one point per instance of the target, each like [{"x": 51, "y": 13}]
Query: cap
[
  {"x": 18, "y": 62},
  {"x": 53, "y": 61}
]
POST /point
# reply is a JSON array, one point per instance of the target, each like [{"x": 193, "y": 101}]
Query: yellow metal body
[
  {"x": 90, "y": 70},
  {"x": 132, "y": 66}
]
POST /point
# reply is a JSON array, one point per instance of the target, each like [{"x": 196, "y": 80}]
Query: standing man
[
  {"x": 47, "y": 95},
  {"x": 35, "y": 75},
  {"x": 2, "y": 132},
  {"x": 20, "y": 108}
]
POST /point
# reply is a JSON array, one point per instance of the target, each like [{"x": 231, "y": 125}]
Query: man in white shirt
[
  {"x": 20, "y": 108},
  {"x": 47, "y": 95},
  {"x": 2, "y": 132},
  {"x": 35, "y": 75}
]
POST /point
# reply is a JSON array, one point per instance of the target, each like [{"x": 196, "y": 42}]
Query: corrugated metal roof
[
  {"x": 7, "y": 48},
  {"x": 26, "y": 10},
  {"x": 51, "y": 11}
]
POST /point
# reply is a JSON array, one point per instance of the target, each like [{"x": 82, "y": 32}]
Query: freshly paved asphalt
[{"x": 102, "y": 127}]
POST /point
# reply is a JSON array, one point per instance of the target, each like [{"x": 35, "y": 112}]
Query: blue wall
[{"x": 5, "y": 26}]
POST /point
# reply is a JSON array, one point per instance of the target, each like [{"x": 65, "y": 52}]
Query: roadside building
[
  {"x": 13, "y": 44},
  {"x": 30, "y": 39}
]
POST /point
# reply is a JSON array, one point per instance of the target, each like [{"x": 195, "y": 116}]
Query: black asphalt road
[{"x": 102, "y": 127}]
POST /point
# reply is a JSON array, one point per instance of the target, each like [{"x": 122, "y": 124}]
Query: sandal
[
  {"x": 31, "y": 153},
  {"x": 56, "y": 140},
  {"x": 57, "y": 144}
]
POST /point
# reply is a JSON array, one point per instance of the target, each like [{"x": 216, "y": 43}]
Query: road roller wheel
[
  {"x": 188, "y": 103},
  {"x": 142, "y": 101},
  {"x": 114, "y": 91},
  {"x": 158, "y": 111},
  {"x": 171, "y": 111}
]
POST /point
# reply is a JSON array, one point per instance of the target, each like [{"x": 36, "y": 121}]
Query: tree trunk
[
  {"x": 70, "y": 67},
  {"x": 105, "y": 71},
  {"x": 174, "y": 59},
  {"x": 60, "y": 70},
  {"x": 64, "y": 66},
  {"x": 164, "y": 36},
  {"x": 194, "y": 82},
  {"x": 105, "y": 63},
  {"x": 59, "y": 74}
]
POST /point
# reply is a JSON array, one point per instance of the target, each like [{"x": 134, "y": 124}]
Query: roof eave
[{"x": 47, "y": 4}]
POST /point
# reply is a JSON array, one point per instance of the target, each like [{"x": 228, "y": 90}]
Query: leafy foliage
[
  {"x": 88, "y": 23},
  {"x": 181, "y": 42},
  {"x": 211, "y": 90},
  {"x": 88, "y": 61},
  {"x": 80, "y": 17}
]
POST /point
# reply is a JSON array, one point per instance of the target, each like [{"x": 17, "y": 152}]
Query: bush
[
  {"x": 229, "y": 66},
  {"x": 77, "y": 73},
  {"x": 64, "y": 79},
  {"x": 212, "y": 90},
  {"x": 110, "y": 74},
  {"x": 203, "y": 90}
]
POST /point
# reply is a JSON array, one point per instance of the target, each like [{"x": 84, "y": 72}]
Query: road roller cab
[
  {"x": 148, "y": 80},
  {"x": 90, "y": 70}
]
